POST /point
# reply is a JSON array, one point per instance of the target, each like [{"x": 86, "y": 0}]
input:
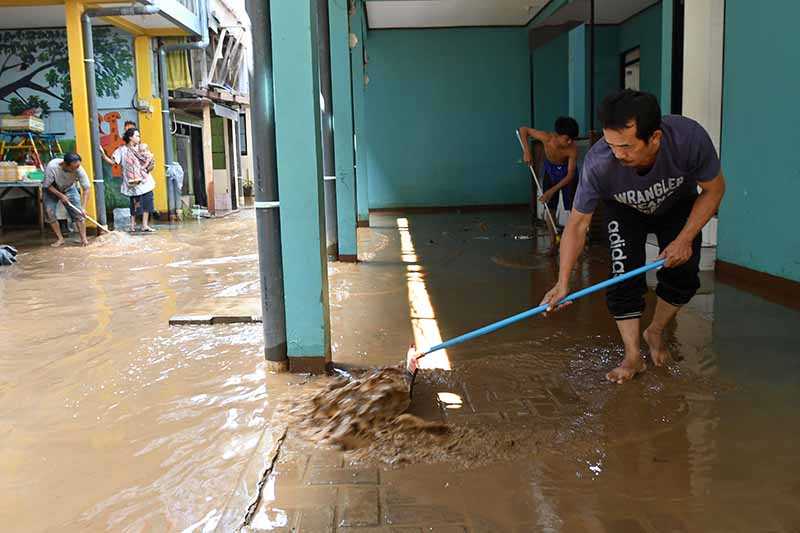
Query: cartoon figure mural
[{"x": 112, "y": 140}]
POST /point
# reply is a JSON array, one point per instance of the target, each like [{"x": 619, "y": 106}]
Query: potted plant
[{"x": 247, "y": 185}]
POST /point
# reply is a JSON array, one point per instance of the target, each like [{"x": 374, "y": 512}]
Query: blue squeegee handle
[{"x": 542, "y": 308}]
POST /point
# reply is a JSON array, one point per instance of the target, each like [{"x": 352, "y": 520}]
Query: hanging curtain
[{"x": 178, "y": 74}]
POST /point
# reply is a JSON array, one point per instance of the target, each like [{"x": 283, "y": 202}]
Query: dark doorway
[
  {"x": 233, "y": 167},
  {"x": 198, "y": 168},
  {"x": 631, "y": 69}
]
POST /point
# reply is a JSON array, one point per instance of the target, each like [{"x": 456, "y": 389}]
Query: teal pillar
[
  {"x": 302, "y": 205},
  {"x": 578, "y": 80},
  {"x": 666, "y": 56},
  {"x": 358, "y": 27},
  {"x": 341, "y": 82}
]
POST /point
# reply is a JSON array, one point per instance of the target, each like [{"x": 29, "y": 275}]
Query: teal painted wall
[
  {"x": 551, "y": 82},
  {"x": 442, "y": 107},
  {"x": 757, "y": 224},
  {"x": 644, "y": 30},
  {"x": 578, "y": 80},
  {"x": 606, "y": 64}
]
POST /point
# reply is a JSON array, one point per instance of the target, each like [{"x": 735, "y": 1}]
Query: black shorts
[
  {"x": 627, "y": 237},
  {"x": 142, "y": 204}
]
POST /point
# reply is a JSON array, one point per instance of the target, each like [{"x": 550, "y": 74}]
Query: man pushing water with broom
[
  {"x": 646, "y": 171},
  {"x": 60, "y": 179}
]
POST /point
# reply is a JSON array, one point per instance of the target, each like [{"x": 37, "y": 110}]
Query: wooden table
[{"x": 31, "y": 188}]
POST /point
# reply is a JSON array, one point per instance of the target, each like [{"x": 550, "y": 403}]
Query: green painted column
[
  {"x": 305, "y": 272},
  {"x": 666, "y": 56},
  {"x": 358, "y": 27},
  {"x": 343, "y": 128},
  {"x": 578, "y": 81}
]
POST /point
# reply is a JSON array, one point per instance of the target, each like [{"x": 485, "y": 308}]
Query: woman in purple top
[{"x": 646, "y": 171}]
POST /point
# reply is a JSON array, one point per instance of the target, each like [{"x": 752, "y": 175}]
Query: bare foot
[
  {"x": 658, "y": 349},
  {"x": 58, "y": 243},
  {"x": 626, "y": 371}
]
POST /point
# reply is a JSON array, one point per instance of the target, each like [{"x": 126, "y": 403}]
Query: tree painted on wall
[{"x": 39, "y": 60}]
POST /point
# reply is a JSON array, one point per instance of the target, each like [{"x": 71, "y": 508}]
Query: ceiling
[
  {"x": 52, "y": 16},
  {"x": 32, "y": 17},
  {"x": 605, "y": 11},
  {"x": 384, "y": 14}
]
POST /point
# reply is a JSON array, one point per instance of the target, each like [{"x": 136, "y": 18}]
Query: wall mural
[
  {"x": 34, "y": 70},
  {"x": 112, "y": 139},
  {"x": 34, "y": 78},
  {"x": 34, "y": 74}
]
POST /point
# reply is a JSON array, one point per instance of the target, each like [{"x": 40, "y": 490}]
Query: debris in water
[{"x": 351, "y": 414}]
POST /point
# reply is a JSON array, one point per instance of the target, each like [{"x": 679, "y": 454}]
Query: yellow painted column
[
  {"x": 73, "y": 9},
  {"x": 150, "y": 124}
]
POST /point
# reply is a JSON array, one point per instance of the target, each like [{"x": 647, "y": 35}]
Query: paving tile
[
  {"x": 564, "y": 395},
  {"x": 288, "y": 473},
  {"x": 342, "y": 476},
  {"x": 421, "y": 514},
  {"x": 474, "y": 419},
  {"x": 273, "y": 519},
  {"x": 358, "y": 506},
  {"x": 508, "y": 395},
  {"x": 396, "y": 496},
  {"x": 317, "y": 519},
  {"x": 326, "y": 458},
  {"x": 305, "y": 495},
  {"x": 547, "y": 410},
  {"x": 513, "y": 409}
]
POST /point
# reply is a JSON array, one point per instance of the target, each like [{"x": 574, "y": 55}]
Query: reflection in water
[{"x": 423, "y": 319}]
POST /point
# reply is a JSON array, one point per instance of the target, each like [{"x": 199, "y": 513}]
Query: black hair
[
  {"x": 128, "y": 135},
  {"x": 619, "y": 108},
  {"x": 129, "y": 124},
  {"x": 567, "y": 126},
  {"x": 71, "y": 157}
]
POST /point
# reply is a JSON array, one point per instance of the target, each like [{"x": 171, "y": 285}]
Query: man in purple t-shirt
[{"x": 646, "y": 171}]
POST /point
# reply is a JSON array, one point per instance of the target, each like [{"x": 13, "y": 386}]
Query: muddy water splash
[
  {"x": 353, "y": 413},
  {"x": 366, "y": 416}
]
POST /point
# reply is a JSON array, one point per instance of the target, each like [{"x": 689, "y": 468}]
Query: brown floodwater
[{"x": 112, "y": 420}]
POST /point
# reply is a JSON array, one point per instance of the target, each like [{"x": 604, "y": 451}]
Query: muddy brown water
[{"x": 113, "y": 421}]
